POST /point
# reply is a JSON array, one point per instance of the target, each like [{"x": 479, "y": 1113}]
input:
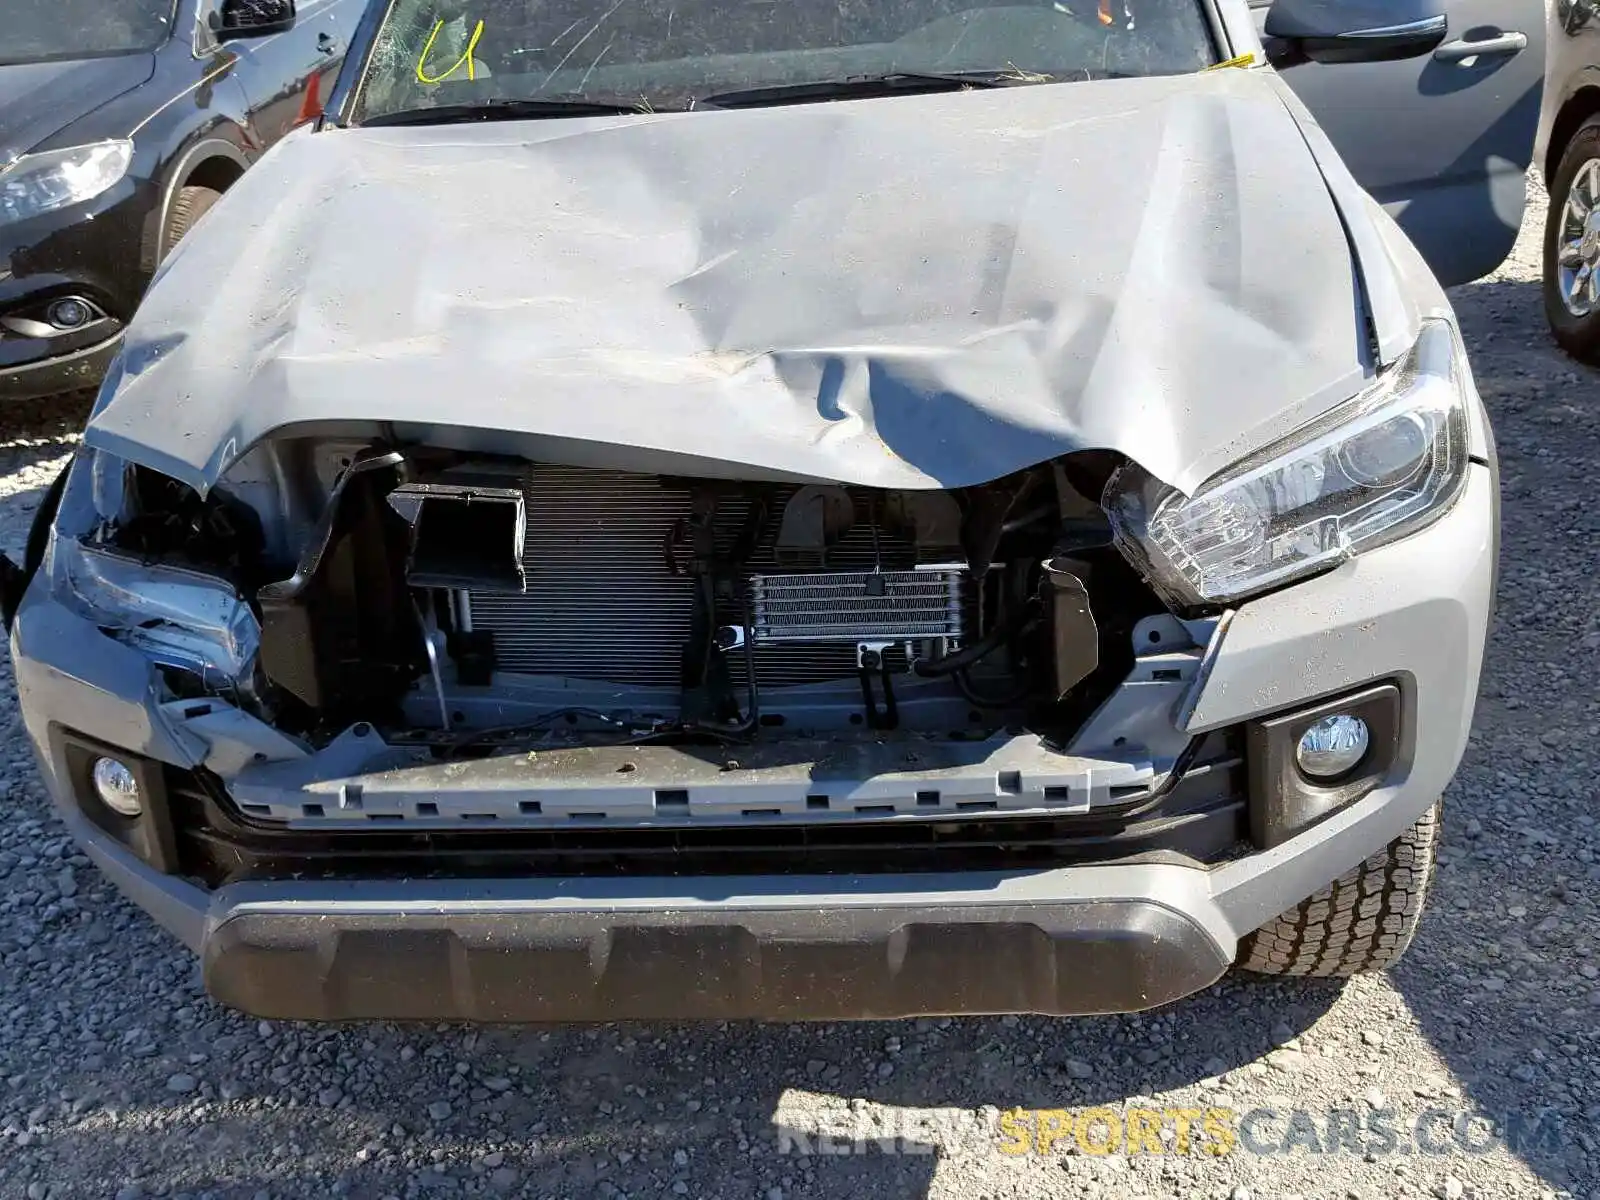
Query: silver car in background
[
  {"x": 1568, "y": 151},
  {"x": 830, "y": 511}
]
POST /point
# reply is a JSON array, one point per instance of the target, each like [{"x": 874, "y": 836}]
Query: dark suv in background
[{"x": 121, "y": 123}]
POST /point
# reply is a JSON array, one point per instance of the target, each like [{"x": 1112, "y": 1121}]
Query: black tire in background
[
  {"x": 188, "y": 206},
  {"x": 1578, "y": 335}
]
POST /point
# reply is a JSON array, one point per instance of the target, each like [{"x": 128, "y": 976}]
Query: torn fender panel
[{"x": 910, "y": 292}]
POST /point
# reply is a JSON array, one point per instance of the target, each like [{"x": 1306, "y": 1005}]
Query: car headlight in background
[
  {"x": 51, "y": 179},
  {"x": 1373, "y": 470}
]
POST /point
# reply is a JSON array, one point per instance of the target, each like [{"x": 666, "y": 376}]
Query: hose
[
  {"x": 977, "y": 699},
  {"x": 965, "y": 657}
]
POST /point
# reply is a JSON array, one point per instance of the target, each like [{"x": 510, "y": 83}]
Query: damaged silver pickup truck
[{"x": 915, "y": 508}]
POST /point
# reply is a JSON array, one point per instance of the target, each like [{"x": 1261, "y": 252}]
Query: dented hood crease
[{"x": 921, "y": 291}]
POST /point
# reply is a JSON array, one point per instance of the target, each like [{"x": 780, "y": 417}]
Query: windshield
[
  {"x": 666, "y": 54},
  {"x": 44, "y": 30}
]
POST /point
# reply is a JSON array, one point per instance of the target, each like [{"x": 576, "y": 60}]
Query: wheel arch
[
  {"x": 1579, "y": 107},
  {"x": 214, "y": 163}
]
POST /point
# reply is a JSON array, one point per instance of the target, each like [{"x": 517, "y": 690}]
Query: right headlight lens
[
  {"x": 1375, "y": 469},
  {"x": 51, "y": 179}
]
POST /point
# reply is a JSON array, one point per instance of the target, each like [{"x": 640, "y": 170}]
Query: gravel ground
[{"x": 119, "y": 1078}]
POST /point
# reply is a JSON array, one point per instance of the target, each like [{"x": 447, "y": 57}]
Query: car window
[
  {"x": 661, "y": 54},
  {"x": 47, "y": 30}
]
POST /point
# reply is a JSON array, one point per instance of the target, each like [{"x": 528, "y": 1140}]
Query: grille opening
[
  {"x": 686, "y": 611},
  {"x": 650, "y": 594}
]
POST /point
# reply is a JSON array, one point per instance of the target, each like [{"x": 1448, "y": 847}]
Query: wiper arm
[
  {"x": 865, "y": 86},
  {"x": 501, "y": 109}
]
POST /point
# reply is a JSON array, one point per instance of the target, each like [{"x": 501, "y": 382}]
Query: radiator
[{"x": 602, "y": 603}]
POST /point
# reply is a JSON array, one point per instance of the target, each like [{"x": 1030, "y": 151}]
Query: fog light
[
  {"x": 69, "y": 314},
  {"x": 1332, "y": 746},
  {"x": 117, "y": 788}
]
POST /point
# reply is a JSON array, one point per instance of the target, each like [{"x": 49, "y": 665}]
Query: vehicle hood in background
[
  {"x": 924, "y": 291},
  {"x": 39, "y": 100}
]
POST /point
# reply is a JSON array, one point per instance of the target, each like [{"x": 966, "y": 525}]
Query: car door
[
  {"x": 286, "y": 76},
  {"x": 1442, "y": 141}
]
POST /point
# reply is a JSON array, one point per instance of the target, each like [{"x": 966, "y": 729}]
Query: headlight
[
  {"x": 1375, "y": 469},
  {"x": 186, "y": 619},
  {"x": 38, "y": 183},
  {"x": 182, "y": 619}
]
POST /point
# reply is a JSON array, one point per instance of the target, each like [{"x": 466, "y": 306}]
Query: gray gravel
[{"x": 119, "y": 1078}]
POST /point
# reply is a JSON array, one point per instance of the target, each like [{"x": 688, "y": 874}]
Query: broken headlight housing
[
  {"x": 181, "y": 618},
  {"x": 1373, "y": 470}
]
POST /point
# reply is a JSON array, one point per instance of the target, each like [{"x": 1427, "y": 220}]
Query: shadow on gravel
[
  {"x": 734, "y": 1110},
  {"x": 1502, "y": 977},
  {"x": 34, "y": 434},
  {"x": 39, "y": 423}
]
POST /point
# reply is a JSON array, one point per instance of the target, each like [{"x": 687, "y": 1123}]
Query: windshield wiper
[
  {"x": 866, "y": 86},
  {"x": 501, "y": 109}
]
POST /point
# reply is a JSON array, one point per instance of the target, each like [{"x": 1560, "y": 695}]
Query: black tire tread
[
  {"x": 188, "y": 206},
  {"x": 1362, "y": 921}
]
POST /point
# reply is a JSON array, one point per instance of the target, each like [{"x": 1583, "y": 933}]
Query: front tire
[
  {"x": 1362, "y": 921},
  {"x": 1572, "y": 247},
  {"x": 188, "y": 206}
]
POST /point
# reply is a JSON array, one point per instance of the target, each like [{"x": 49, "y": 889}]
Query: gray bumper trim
[{"x": 507, "y": 960}]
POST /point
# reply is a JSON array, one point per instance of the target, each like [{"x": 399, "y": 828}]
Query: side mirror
[
  {"x": 251, "y": 18},
  {"x": 1336, "y": 31}
]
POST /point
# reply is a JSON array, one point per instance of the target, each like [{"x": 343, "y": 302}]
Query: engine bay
[{"x": 470, "y": 602}]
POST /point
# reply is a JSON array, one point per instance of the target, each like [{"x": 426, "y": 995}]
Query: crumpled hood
[
  {"x": 921, "y": 291},
  {"x": 39, "y": 100}
]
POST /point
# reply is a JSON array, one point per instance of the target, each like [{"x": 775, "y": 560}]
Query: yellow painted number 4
[{"x": 465, "y": 59}]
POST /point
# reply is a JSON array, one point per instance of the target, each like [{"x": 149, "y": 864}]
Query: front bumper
[
  {"x": 1069, "y": 940},
  {"x": 51, "y": 374},
  {"x": 99, "y": 251}
]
